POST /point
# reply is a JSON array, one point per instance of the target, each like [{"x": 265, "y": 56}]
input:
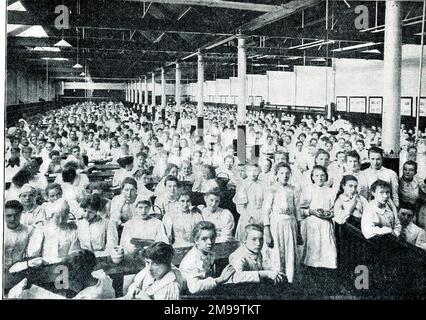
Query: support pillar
[
  {"x": 153, "y": 89},
  {"x": 242, "y": 99},
  {"x": 177, "y": 93},
  {"x": 163, "y": 89},
  {"x": 140, "y": 91},
  {"x": 391, "y": 118},
  {"x": 146, "y": 91},
  {"x": 200, "y": 94}
]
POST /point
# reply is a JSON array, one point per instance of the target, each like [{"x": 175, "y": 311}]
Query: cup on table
[{"x": 117, "y": 254}]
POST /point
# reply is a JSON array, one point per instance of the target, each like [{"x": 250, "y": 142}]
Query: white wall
[{"x": 318, "y": 86}]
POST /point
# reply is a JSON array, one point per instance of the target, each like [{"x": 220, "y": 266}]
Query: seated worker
[
  {"x": 96, "y": 152},
  {"x": 380, "y": 215},
  {"x": 221, "y": 218},
  {"x": 58, "y": 238},
  {"x": 76, "y": 157},
  {"x": 409, "y": 188},
  {"x": 207, "y": 181},
  {"x": 143, "y": 178},
  {"x": 227, "y": 169},
  {"x": 410, "y": 232},
  {"x": 197, "y": 266},
  {"x": 80, "y": 182},
  {"x": 100, "y": 188},
  {"x": 33, "y": 214},
  {"x": 142, "y": 226},
  {"x": 185, "y": 172},
  {"x": 378, "y": 172},
  {"x": 180, "y": 222},
  {"x": 122, "y": 210},
  {"x": 167, "y": 200},
  {"x": 171, "y": 170},
  {"x": 247, "y": 259},
  {"x": 55, "y": 164},
  {"x": 159, "y": 280},
  {"x": 92, "y": 228},
  {"x": 126, "y": 167},
  {"x": 16, "y": 235}
]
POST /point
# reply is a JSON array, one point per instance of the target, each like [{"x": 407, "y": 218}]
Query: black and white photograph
[{"x": 213, "y": 151}]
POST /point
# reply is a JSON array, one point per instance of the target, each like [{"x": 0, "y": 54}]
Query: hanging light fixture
[
  {"x": 77, "y": 65},
  {"x": 62, "y": 43}
]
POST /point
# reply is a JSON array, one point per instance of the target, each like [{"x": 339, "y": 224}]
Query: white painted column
[
  {"x": 242, "y": 88},
  {"x": 140, "y": 92},
  {"x": 200, "y": 95},
  {"x": 178, "y": 87},
  {"x": 163, "y": 88},
  {"x": 242, "y": 99},
  {"x": 391, "y": 118},
  {"x": 146, "y": 91},
  {"x": 153, "y": 89}
]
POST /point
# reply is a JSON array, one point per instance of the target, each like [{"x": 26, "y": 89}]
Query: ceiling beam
[
  {"x": 286, "y": 10},
  {"x": 112, "y": 23},
  {"x": 246, "y": 6}
]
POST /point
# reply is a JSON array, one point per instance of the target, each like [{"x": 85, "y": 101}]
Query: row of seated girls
[{"x": 287, "y": 203}]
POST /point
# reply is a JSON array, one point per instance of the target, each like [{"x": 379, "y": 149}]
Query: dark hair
[
  {"x": 22, "y": 177},
  {"x": 54, "y": 153},
  {"x": 159, "y": 252},
  {"x": 69, "y": 175},
  {"x": 14, "y": 161},
  {"x": 215, "y": 191},
  {"x": 411, "y": 163},
  {"x": 319, "y": 152},
  {"x": 14, "y": 204},
  {"x": 361, "y": 141},
  {"x": 202, "y": 225},
  {"x": 184, "y": 191},
  {"x": 93, "y": 202},
  {"x": 129, "y": 180},
  {"x": 353, "y": 154},
  {"x": 281, "y": 165},
  {"x": 316, "y": 167},
  {"x": 81, "y": 264},
  {"x": 171, "y": 178},
  {"x": 379, "y": 183},
  {"x": 343, "y": 182},
  {"x": 125, "y": 161},
  {"x": 169, "y": 167},
  {"x": 375, "y": 150}
]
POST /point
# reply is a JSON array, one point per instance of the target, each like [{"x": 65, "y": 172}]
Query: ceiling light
[
  {"x": 34, "y": 32},
  {"x": 48, "y": 49},
  {"x": 62, "y": 43},
  {"x": 371, "y": 51},
  {"x": 17, "y": 6},
  {"x": 357, "y": 46},
  {"x": 77, "y": 66},
  {"x": 55, "y": 59}
]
